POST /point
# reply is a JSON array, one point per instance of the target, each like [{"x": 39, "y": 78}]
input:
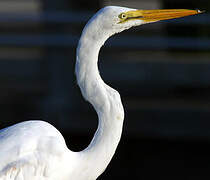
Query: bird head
[{"x": 118, "y": 19}]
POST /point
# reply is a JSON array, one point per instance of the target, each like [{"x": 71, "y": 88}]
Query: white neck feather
[{"x": 105, "y": 100}]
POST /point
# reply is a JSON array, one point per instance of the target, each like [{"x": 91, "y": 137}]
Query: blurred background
[{"x": 162, "y": 71}]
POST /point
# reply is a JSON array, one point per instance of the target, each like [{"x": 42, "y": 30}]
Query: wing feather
[{"x": 30, "y": 150}]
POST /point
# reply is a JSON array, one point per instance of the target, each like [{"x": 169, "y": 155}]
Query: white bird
[{"x": 35, "y": 150}]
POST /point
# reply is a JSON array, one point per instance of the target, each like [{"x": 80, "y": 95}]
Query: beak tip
[{"x": 199, "y": 11}]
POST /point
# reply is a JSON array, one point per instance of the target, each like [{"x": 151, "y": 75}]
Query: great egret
[{"x": 35, "y": 150}]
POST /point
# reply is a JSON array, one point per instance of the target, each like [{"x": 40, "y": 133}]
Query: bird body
[
  {"x": 32, "y": 150},
  {"x": 35, "y": 150}
]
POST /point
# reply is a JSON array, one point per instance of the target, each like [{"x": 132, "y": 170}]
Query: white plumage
[{"x": 35, "y": 150}]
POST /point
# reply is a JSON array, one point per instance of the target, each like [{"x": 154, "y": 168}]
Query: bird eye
[{"x": 123, "y": 16}]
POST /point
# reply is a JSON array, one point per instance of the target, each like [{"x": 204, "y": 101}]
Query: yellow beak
[{"x": 157, "y": 15}]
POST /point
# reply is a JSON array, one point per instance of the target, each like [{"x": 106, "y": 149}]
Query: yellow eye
[{"x": 123, "y": 16}]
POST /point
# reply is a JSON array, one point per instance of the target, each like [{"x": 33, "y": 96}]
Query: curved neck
[{"x": 104, "y": 99}]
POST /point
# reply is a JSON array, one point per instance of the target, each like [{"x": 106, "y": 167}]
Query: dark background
[{"x": 162, "y": 71}]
